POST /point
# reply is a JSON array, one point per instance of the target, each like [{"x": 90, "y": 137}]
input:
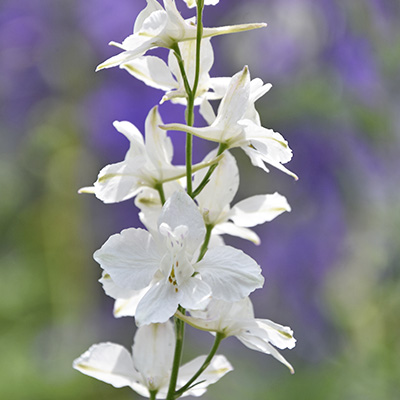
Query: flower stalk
[{"x": 178, "y": 267}]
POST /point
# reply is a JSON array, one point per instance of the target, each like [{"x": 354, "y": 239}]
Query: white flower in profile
[
  {"x": 156, "y": 26},
  {"x": 214, "y": 202},
  {"x": 154, "y": 72},
  {"x": 237, "y": 319},
  {"x": 192, "y": 3},
  {"x": 237, "y": 125},
  {"x": 166, "y": 263},
  {"x": 146, "y": 164},
  {"x": 147, "y": 370}
]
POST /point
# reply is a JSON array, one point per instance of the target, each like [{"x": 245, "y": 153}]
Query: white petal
[
  {"x": 259, "y": 157},
  {"x": 154, "y": 24},
  {"x": 216, "y": 240},
  {"x": 158, "y": 305},
  {"x": 152, "y": 6},
  {"x": 234, "y": 103},
  {"x": 149, "y": 203},
  {"x": 113, "y": 290},
  {"x": 257, "y": 343},
  {"x": 118, "y": 182},
  {"x": 180, "y": 209},
  {"x": 207, "y": 112},
  {"x": 223, "y": 30},
  {"x": 238, "y": 231},
  {"x": 108, "y": 362},
  {"x": 153, "y": 352},
  {"x": 218, "y": 367},
  {"x": 190, "y": 3},
  {"x": 220, "y": 86},
  {"x": 130, "y": 258},
  {"x": 258, "y": 89},
  {"x": 137, "y": 46},
  {"x": 209, "y": 132},
  {"x": 126, "y": 300},
  {"x": 279, "y": 335},
  {"x": 195, "y": 294},
  {"x": 121, "y": 58},
  {"x": 222, "y": 316},
  {"x": 231, "y": 273},
  {"x": 221, "y": 189},
  {"x": 136, "y": 142},
  {"x": 263, "y": 144},
  {"x": 258, "y": 209},
  {"x": 158, "y": 144},
  {"x": 152, "y": 71}
]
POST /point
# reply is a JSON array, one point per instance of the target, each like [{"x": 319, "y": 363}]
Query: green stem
[
  {"x": 160, "y": 189},
  {"x": 206, "y": 363},
  {"x": 191, "y": 94},
  {"x": 204, "y": 246},
  {"x": 206, "y": 179},
  {"x": 153, "y": 394},
  {"x": 189, "y": 118},
  {"x": 200, "y": 6},
  {"x": 180, "y": 332}
]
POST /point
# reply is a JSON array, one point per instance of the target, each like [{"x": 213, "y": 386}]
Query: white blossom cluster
[{"x": 179, "y": 266}]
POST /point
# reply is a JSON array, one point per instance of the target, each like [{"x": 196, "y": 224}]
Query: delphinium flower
[
  {"x": 159, "y": 27},
  {"x": 237, "y": 319},
  {"x": 147, "y": 370},
  {"x": 146, "y": 164},
  {"x": 214, "y": 202},
  {"x": 236, "y": 125},
  {"x": 168, "y": 262}
]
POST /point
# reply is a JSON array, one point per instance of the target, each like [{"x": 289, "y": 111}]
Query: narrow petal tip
[{"x": 87, "y": 189}]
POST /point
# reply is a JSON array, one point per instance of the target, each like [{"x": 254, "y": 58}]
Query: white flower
[
  {"x": 167, "y": 262},
  {"x": 214, "y": 202},
  {"x": 159, "y": 27},
  {"x": 146, "y": 164},
  {"x": 192, "y": 3},
  {"x": 154, "y": 72},
  {"x": 148, "y": 368},
  {"x": 237, "y": 125},
  {"x": 237, "y": 319}
]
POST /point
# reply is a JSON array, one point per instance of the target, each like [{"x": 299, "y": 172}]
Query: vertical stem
[
  {"x": 180, "y": 331},
  {"x": 191, "y": 95}
]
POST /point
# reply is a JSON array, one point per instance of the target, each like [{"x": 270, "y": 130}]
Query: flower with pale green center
[
  {"x": 214, "y": 202},
  {"x": 146, "y": 164},
  {"x": 237, "y": 319},
  {"x": 156, "y": 26},
  {"x": 237, "y": 125},
  {"x": 166, "y": 263},
  {"x": 148, "y": 369}
]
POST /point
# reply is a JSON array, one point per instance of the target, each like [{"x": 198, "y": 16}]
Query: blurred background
[{"x": 331, "y": 265}]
